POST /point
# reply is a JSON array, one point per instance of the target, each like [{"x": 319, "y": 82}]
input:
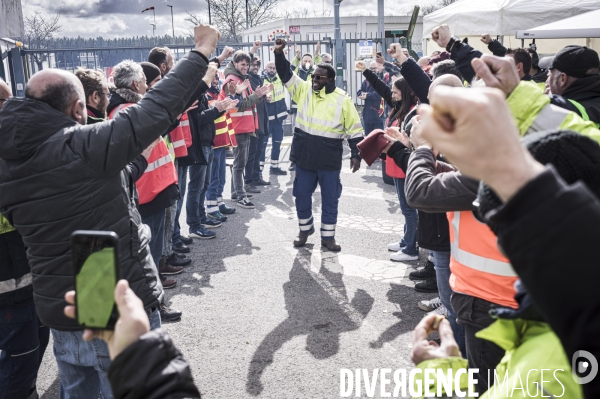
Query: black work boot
[
  {"x": 429, "y": 285},
  {"x": 331, "y": 245},
  {"x": 427, "y": 272},
  {"x": 302, "y": 237}
]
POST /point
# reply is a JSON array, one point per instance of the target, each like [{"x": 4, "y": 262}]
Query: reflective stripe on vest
[
  {"x": 242, "y": 121},
  {"x": 185, "y": 128},
  {"x": 178, "y": 142},
  {"x": 224, "y": 134},
  {"x": 159, "y": 174},
  {"x": 478, "y": 268},
  {"x": 320, "y": 127},
  {"x": 583, "y": 112},
  {"x": 15, "y": 283}
]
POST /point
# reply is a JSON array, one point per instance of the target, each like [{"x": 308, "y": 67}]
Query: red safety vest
[
  {"x": 185, "y": 127},
  {"x": 178, "y": 141},
  {"x": 159, "y": 174},
  {"x": 243, "y": 121},
  {"x": 478, "y": 268},
  {"x": 224, "y": 133}
]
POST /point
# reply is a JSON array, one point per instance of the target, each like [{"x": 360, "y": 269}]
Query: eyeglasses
[
  {"x": 319, "y": 77},
  {"x": 106, "y": 94}
]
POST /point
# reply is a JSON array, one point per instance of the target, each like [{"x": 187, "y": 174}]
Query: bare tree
[
  {"x": 39, "y": 32},
  {"x": 305, "y": 13},
  {"x": 230, "y": 16},
  {"x": 428, "y": 9}
]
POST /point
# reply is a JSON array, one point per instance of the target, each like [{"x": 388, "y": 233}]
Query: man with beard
[{"x": 317, "y": 147}]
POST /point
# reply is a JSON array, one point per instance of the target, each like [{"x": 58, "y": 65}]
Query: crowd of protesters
[{"x": 495, "y": 162}]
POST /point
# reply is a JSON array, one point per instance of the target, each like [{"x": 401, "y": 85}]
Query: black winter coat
[
  {"x": 202, "y": 126},
  {"x": 57, "y": 176},
  {"x": 152, "y": 368},
  {"x": 263, "y": 111},
  {"x": 538, "y": 229}
]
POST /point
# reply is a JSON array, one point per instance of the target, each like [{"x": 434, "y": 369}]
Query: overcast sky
[{"x": 118, "y": 18}]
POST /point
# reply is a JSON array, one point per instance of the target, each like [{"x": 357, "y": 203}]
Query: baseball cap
[{"x": 576, "y": 61}]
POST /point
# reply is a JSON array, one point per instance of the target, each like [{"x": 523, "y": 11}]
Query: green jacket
[
  {"x": 533, "y": 112},
  {"x": 530, "y": 347}
]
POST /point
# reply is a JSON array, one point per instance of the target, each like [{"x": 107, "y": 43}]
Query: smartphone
[{"x": 95, "y": 270}]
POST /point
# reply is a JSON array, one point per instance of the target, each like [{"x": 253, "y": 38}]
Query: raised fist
[
  {"x": 441, "y": 35},
  {"x": 206, "y": 38},
  {"x": 486, "y": 39},
  {"x": 280, "y": 46}
]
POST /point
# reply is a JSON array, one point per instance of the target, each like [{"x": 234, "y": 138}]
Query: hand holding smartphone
[{"x": 95, "y": 270}]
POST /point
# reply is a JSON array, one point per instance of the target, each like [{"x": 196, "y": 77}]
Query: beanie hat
[
  {"x": 574, "y": 156},
  {"x": 150, "y": 70}
]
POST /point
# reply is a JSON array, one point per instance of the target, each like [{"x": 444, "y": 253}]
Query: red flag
[{"x": 148, "y": 9}]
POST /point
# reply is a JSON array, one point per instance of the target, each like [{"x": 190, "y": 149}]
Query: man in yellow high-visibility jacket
[{"x": 326, "y": 116}]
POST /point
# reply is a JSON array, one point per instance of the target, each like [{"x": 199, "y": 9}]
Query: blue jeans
[
  {"x": 276, "y": 131},
  {"x": 83, "y": 365},
  {"x": 252, "y": 173},
  {"x": 441, "y": 259},
  {"x": 182, "y": 183},
  {"x": 23, "y": 341},
  {"x": 218, "y": 175},
  {"x": 197, "y": 188},
  {"x": 410, "y": 221},
  {"x": 156, "y": 222},
  {"x": 370, "y": 126}
]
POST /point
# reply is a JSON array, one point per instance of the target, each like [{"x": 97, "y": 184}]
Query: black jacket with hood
[{"x": 57, "y": 176}]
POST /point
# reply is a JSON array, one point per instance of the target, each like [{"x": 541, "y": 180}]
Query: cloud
[{"x": 124, "y": 18}]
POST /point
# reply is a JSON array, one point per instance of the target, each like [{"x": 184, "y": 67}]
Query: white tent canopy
[
  {"x": 584, "y": 25},
  {"x": 503, "y": 17}
]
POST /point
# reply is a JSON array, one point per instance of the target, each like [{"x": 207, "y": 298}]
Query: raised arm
[
  {"x": 296, "y": 86},
  {"x": 109, "y": 146}
]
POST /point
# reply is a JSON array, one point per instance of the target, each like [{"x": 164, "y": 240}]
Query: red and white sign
[{"x": 295, "y": 29}]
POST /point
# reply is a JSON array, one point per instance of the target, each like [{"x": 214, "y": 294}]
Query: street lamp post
[
  {"x": 172, "y": 23},
  {"x": 246, "y": 14},
  {"x": 209, "y": 18}
]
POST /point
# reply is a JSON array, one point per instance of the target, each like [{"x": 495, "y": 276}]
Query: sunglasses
[{"x": 319, "y": 77}]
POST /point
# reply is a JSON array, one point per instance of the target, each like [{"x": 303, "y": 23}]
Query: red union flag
[{"x": 148, "y": 9}]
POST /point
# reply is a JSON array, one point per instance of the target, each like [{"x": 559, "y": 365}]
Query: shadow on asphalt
[
  {"x": 52, "y": 391},
  {"x": 313, "y": 312},
  {"x": 408, "y": 313}
]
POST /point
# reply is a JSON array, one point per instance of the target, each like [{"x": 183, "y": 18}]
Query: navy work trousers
[{"x": 305, "y": 185}]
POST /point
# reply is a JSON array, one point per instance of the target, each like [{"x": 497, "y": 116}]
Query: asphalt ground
[{"x": 264, "y": 319}]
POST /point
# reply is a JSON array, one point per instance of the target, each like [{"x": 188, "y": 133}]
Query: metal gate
[{"x": 23, "y": 63}]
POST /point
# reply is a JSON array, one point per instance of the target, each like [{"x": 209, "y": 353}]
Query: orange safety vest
[
  {"x": 224, "y": 133},
  {"x": 478, "y": 268},
  {"x": 243, "y": 121},
  {"x": 159, "y": 174},
  {"x": 178, "y": 141},
  {"x": 185, "y": 127}
]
